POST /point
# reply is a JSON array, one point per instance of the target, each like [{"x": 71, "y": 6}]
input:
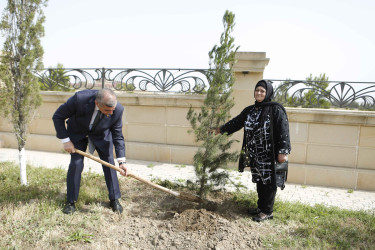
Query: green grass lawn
[
  {"x": 300, "y": 226},
  {"x": 31, "y": 216}
]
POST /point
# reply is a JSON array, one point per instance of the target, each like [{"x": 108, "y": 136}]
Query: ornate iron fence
[
  {"x": 295, "y": 93},
  {"x": 318, "y": 94},
  {"x": 164, "y": 80}
]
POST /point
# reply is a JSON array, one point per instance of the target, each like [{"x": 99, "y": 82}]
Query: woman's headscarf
[
  {"x": 267, "y": 85},
  {"x": 267, "y": 102}
]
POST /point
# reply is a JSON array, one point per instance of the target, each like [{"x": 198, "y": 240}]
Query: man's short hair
[{"x": 109, "y": 102}]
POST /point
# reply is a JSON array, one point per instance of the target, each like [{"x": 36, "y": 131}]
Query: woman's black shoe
[
  {"x": 261, "y": 217},
  {"x": 253, "y": 211},
  {"x": 69, "y": 208}
]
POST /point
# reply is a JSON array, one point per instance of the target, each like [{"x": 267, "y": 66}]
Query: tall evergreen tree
[
  {"x": 213, "y": 153},
  {"x": 22, "y": 28}
]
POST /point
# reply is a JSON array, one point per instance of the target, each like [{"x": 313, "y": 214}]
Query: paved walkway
[{"x": 356, "y": 200}]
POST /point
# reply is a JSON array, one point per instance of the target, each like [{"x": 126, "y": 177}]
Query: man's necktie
[{"x": 96, "y": 120}]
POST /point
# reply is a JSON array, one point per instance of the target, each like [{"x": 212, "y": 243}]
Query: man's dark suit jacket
[{"x": 79, "y": 110}]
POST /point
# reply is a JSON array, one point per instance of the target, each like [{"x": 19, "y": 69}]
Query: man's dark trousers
[{"x": 76, "y": 168}]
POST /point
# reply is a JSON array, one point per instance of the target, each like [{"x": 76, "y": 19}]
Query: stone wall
[
  {"x": 332, "y": 148},
  {"x": 329, "y": 147}
]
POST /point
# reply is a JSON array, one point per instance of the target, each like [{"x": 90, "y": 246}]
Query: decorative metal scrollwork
[
  {"x": 338, "y": 94},
  {"x": 164, "y": 80},
  {"x": 66, "y": 79}
]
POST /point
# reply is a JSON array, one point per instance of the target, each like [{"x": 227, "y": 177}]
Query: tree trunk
[{"x": 22, "y": 161}]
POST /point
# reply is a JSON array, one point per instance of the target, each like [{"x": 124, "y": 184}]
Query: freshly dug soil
[{"x": 155, "y": 220}]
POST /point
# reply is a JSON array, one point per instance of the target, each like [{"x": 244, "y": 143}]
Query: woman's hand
[
  {"x": 215, "y": 130},
  {"x": 282, "y": 158}
]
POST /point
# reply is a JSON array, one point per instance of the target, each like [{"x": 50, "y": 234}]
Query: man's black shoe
[
  {"x": 253, "y": 211},
  {"x": 116, "y": 206},
  {"x": 69, "y": 208}
]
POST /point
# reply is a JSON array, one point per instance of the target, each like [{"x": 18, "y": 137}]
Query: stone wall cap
[
  {"x": 250, "y": 62},
  {"x": 248, "y": 69},
  {"x": 330, "y": 111},
  {"x": 250, "y": 55}
]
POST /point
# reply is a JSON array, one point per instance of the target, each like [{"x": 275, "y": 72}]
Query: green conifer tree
[
  {"x": 56, "y": 80},
  {"x": 22, "y": 28},
  {"x": 213, "y": 153},
  {"x": 318, "y": 95}
]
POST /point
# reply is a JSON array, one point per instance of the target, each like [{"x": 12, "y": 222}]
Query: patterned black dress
[{"x": 261, "y": 144}]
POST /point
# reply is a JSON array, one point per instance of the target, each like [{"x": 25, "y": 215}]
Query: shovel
[{"x": 181, "y": 195}]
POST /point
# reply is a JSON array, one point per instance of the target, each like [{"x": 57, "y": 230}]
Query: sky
[{"x": 300, "y": 37}]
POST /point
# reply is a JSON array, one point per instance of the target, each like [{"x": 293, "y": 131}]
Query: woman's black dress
[{"x": 261, "y": 144}]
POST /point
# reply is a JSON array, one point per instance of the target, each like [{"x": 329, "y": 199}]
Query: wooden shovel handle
[
  {"x": 129, "y": 174},
  {"x": 98, "y": 160}
]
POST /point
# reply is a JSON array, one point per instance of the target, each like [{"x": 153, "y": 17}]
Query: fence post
[
  {"x": 103, "y": 77},
  {"x": 248, "y": 71}
]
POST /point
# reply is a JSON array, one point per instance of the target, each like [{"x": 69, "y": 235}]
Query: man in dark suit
[{"x": 94, "y": 119}]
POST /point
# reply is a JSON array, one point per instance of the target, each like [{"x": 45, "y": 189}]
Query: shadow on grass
[
  {"x": 43, "y": 184},
  {"x": 46, "y": 184}
]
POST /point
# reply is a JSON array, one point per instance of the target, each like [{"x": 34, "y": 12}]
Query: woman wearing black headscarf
[{"x": 266, "y": 140}]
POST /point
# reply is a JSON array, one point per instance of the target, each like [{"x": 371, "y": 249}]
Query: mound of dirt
[
  {"x": 194, "y": 220},
  {"x": 155, "y": 220},
  {"x": 202, "y": 229}
]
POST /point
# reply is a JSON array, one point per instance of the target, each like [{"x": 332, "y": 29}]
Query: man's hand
[
  {"x": 282, "y": 158},
  {"x": 124, "y": 170},
  {"x": 69, "y": 147}
]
